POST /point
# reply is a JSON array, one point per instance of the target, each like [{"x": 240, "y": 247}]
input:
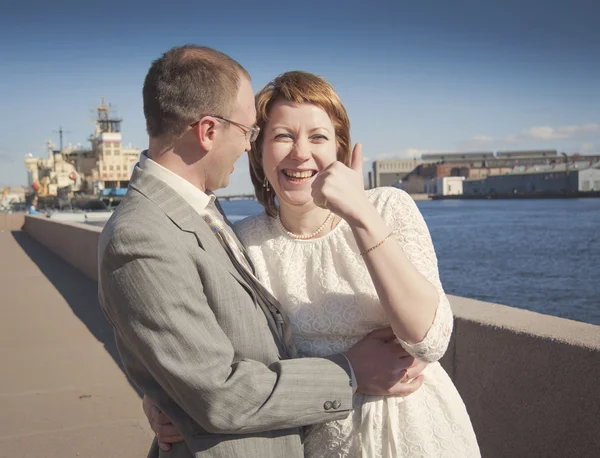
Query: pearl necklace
[{"x": 307, "y": 236}]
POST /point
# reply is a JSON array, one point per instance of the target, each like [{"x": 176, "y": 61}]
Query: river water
[{"x": 536, "y": 254}]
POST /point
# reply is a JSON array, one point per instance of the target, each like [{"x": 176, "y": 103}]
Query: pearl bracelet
[{"x": 377, "y": 245}]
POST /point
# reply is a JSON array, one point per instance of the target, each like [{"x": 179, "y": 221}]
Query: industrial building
[
  {"x": 479, "y": 173},
  {"x": 536, "y": 153},
  {"x": 545, "y": 183},
  {"x": 390, "y": 172},
  {"x": 413, "y": 174},
  {"x": 464, "y": 157},
  {"x": 444, "y": 186}
]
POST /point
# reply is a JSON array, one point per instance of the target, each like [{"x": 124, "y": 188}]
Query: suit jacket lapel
[
  {"x": 184, "y": 217},
  {"x": 188, "y": 220}
]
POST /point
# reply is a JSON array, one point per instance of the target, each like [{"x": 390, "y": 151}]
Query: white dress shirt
[{"x": 197, "y": 198}]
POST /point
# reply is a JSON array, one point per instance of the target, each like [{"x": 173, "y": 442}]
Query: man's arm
[
  {"x": 152, "y": 293},
  {"x": 371, "y": 346}
]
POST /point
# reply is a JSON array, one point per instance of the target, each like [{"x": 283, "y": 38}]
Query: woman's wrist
[{"x": 364, "y": 217}]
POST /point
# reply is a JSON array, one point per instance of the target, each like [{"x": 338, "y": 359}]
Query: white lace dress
[{"x": 324, "y": 286}]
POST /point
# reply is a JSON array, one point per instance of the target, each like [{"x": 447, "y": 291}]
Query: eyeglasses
[{"x": 250, "y": 131}]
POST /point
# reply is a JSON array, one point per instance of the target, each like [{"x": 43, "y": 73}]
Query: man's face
[{"x": 234, "y": 140}]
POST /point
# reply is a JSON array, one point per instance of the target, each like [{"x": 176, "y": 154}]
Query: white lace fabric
[{"x": 326, "y": 290}]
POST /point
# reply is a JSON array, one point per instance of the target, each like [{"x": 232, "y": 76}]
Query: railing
[
  {"x": 11, "y": 221},
  {"x": 76, "y": 243}
]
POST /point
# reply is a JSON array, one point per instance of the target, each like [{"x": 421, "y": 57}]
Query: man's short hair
[{"x": 184, "y": 84}]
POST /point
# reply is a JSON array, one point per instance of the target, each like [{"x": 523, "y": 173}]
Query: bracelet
[{"x": 377, "y": 245}]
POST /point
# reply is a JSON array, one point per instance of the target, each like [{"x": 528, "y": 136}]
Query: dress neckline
[{"x": 286, "y": 236}]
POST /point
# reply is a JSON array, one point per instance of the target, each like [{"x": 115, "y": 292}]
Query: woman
[{"x": 343, "y": 262}]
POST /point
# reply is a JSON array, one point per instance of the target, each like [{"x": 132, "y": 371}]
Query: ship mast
[{"x": 105, "y": 123}]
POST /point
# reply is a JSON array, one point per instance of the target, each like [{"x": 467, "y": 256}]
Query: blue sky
[{"x": 433, "y": 75}]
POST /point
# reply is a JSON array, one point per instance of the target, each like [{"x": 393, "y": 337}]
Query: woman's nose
[{"x": 301, "y": 150}]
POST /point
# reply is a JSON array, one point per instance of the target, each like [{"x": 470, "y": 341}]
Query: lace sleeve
[{"x": 401, "y": 213}]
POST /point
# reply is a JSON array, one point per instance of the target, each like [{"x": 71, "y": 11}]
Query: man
[{"x": 196, "y": 332}]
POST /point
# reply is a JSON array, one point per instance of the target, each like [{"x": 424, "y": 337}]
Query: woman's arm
[
  {"x": 407, "y": 295},
  {"x": 412, "y": 238},
  {"x": 403, "y": 266}
]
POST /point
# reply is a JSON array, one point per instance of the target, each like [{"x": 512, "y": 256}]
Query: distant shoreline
[{"x": 535, "y": 195}]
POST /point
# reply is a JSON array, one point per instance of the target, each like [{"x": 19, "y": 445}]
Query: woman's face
[{"x": 298, "y": 142}]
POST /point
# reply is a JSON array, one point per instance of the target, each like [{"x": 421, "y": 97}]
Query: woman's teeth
[{"x": 298, "y": 176}]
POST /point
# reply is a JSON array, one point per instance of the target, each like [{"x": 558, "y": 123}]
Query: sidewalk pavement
[{"x": 62, "y": 391}]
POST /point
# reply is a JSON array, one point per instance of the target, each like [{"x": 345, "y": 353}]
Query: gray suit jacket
[{"x": 192, "y": 336}]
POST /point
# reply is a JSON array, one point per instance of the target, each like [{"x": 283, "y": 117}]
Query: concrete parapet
[
  {"x": 529, "y": 381},
  {"x": 76, "y": 243},
  {"x": 11, "y": 221}
]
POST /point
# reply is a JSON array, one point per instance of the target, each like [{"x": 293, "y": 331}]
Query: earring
[{"x": 266, "y": 184}]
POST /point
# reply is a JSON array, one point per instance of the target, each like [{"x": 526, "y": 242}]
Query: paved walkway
[{"x": 62, "y": 392}]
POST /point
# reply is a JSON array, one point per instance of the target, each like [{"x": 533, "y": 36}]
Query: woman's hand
[
  {"x": 165, "y": 431},
  {"x": 341, "y": 189}
]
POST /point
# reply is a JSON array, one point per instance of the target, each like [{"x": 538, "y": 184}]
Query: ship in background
[{"x": 83, "y": 176}]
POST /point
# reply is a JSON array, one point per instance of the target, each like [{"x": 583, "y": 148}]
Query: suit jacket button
[
  {"x": 328, "y": 405},
  {"x": 336, "y": 404}
]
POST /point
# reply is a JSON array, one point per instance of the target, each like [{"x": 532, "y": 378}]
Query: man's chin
[{"x": 221, "y": 184}]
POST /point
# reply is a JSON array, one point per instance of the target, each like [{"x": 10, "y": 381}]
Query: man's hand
[
  {"x": 165, "y": 431},
  {"x": 380, "y": 364},
  {"x": 382, "y": 367}
]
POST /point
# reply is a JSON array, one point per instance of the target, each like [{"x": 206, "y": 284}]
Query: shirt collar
[{"x": 197, "y": 198}]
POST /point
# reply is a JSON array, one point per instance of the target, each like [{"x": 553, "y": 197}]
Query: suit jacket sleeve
[{"x": 151, "y": 291}]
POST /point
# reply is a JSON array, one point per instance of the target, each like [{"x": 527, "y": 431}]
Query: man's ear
[{"x": 205, "y": 132}]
